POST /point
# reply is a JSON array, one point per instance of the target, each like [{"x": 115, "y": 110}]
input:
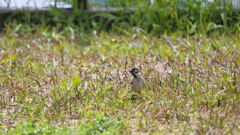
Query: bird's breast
[{"x": 137, "y": 84}]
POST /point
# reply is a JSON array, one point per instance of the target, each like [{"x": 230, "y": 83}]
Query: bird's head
[{"x": 135, "y": 72}]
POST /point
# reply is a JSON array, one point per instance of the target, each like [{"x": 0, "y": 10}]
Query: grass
[
  {"x": 161, "y": 18},
  {"x": 55, "y": 83}
]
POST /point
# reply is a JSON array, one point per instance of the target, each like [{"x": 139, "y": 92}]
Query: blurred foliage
[{"x": 185, "y": 16}]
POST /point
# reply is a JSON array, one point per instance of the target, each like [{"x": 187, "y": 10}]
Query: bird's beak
[{"x": 130, "y": 71}]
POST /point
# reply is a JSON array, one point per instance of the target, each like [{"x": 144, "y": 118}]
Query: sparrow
[{"x": 137, "y": 83}]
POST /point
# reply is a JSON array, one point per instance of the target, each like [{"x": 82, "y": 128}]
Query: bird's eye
[{"x": 136, "y": 71}]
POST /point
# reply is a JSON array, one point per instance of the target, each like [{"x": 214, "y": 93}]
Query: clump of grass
[
  {"x": 102, "y": 125},
  {"x": 186, "y": 17}
]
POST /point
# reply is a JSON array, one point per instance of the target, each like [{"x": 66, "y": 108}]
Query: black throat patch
[{"x": 134, "y": 75}]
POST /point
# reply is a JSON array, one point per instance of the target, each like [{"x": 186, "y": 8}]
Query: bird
[{"x": 137, "y": 82}]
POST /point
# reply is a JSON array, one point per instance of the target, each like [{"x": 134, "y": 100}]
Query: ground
[{"x": 50, "y": 78}]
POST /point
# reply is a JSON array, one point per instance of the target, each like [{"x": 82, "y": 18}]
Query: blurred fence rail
[{"x": 103, "y": 5}]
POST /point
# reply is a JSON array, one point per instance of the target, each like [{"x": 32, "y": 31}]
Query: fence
[{"x": 68, "y": 4}]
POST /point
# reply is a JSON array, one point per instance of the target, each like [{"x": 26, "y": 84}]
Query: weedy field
[
  {"x": 67, "y": 72},
  {"x": 53, "y": 83}
]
